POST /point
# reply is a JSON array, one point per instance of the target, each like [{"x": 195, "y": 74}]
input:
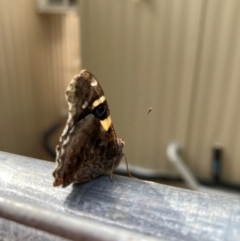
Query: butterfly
[{"x": 88, "y": 144}]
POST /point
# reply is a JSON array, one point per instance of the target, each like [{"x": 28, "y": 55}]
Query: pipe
[{"x": 174, "y": 157}]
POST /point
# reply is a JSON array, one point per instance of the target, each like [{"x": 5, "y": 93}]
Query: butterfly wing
[{"x": 88, "y": 145}]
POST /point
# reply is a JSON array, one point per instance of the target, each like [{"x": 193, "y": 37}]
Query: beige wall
[
  {"x": 39, "y": 54},
  {"x": 180, "y": 57}
]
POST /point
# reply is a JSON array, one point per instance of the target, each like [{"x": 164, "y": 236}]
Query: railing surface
[{"x": 125, "y": 209}]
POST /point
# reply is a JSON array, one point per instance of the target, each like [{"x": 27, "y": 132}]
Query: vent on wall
[{"x": 56, "y": 6}]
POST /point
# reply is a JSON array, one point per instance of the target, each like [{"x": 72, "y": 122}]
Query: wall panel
[
  {"x": 182, "y": 59},
  {"x": 39, "y": 55},
  {"x": 143, "y": 52},
  {"x": 214, "y": 117}
]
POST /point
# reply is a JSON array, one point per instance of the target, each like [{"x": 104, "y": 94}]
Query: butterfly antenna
[{"x": 136, "y": 123}]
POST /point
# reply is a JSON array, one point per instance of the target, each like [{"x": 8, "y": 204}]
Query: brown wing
[{"x": 88, "y": 146}]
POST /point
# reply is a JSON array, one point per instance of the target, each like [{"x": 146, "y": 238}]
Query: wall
[
  {"x": 39, "y": 55},
  {"x": 180, "y": 57}
]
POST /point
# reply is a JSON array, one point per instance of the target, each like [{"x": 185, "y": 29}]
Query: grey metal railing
[{"x": 125, "y": 209}]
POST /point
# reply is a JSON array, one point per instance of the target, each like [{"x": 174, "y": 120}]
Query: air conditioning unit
[{"x": 56, "y": 6}]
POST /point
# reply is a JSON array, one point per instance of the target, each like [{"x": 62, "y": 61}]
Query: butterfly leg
[
  {"x": 111, "y": 172},
  {"x": 129, "y": 174},
  {"x": 110, "y": 176}
]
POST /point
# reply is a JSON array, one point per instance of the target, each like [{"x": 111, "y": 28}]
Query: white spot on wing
[
  {"x": 85, "y": 104},
  {"x": 66, "y": 141},
  {"x": 71, "y": 131},
  {"x": 63, "y": 133},
  {"x": 83, "y": 70},
  {"x": 93, "y": 82}
]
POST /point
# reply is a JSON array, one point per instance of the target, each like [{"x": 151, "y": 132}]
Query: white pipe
[
  {"x": 172, "y": 153},
  {"x": 174, "y": 157}
]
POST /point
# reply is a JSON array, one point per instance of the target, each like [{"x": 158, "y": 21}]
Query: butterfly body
[{"x": 88, "y": 145}]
